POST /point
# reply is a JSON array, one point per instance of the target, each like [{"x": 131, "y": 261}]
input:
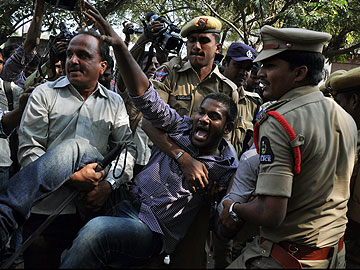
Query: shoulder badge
[
  {"x": 266, "y": 154},
  {"x": 161, "y": 74}
]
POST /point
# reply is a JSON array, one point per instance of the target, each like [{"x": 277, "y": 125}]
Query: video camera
[
  {"x": 52, "y": 51},
  {"x": 168, "y": 37},
  {"x": 65, "y": 35},
  {"x": 131, "y": 30}
]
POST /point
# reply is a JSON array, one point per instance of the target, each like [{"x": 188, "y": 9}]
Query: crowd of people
[{"x": 250, "y": 158}]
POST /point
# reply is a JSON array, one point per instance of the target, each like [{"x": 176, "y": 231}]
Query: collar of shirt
[
  {"x": 215, "y": 70},
  {"x": 300, "y": 91},
  {"x": 64, "y": 82}
]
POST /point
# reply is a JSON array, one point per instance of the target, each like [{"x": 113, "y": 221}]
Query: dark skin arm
[
  {"x": 194, "y": 171},
  {"x": 266, "y": 211},
  {"x": 134, "y": 78},
  {"x": 95, "y": 199},
  {"x": 33, "y": 35}
]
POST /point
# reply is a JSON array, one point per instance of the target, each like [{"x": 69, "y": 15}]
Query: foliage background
[{"x": 242, "y": 19}]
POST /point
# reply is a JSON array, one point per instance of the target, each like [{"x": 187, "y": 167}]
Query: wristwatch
[{"x": 233, "y": 215}]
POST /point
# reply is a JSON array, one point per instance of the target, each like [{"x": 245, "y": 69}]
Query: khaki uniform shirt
[
  {"x": 179, "y": 85},
  {"x": 318, "y": 195},
  {"x": 354, "y": 202},
  {"x": 248, "y": 107}
]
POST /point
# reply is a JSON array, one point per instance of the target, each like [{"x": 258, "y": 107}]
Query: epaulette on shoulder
[
  {"x": 253, "y": 96},
  {"x": 228, "y": 81},
  {"x": 274, "y": 105},
  {"x": 175, "y": 63}
]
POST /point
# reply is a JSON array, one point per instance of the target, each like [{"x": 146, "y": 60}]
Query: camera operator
[{"x": 53, "y": 69}]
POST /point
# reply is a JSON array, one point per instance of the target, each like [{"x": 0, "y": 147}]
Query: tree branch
[
  {"x": 332, "y": 53},
  {"x": 271, "y": 20},
  {"x": 223, "y": 19}
]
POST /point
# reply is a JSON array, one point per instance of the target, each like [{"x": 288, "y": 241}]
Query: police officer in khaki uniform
[
  {"x": 184, "y": 84},
  {"x": 236, "y": 66},
  {"x": 345, "y": 88},
  {"x": 307, "y": 147}
]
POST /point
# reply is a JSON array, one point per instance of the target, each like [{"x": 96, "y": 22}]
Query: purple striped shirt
[{"x": 167, "y": 204}]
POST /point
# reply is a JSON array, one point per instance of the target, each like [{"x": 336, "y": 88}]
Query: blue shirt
[
  {"x": 14, "y": 66},
  {"x": 168, "y": 206}
]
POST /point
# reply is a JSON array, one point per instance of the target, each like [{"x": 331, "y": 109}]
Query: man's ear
[
  {"x": 103, "y": 66},
  {"x": 300, "y": 73},
  {"x": 229, "y": 126},
  {"x": 354, "y": 101},
  {"x": 218, "y": 47}
]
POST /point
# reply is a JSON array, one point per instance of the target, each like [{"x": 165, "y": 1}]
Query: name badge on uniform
[
  {"x": 266, "y": 154},
  {"x": 186, "y": 98}
]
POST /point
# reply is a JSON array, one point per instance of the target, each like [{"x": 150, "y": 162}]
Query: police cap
[
  {"x": 277, "y": 40},
  {"x": 201, "y": 24},
  {"x": 346, "y": 82},
  {"x": 239, "y": 52}
]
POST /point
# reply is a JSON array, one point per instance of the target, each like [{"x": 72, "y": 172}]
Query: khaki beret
[
  {"x": 202, "y": 24},
  {"x": 277, "y": 40},
  {"x": 347, "y": 81},
  {"x": 327, "y": 83}
]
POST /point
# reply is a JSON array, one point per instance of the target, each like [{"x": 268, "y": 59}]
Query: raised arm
[
  {"x": 24, "y": 54},
  {"x": 33, "y": 35},
  {"x": 134, "y": 78}
]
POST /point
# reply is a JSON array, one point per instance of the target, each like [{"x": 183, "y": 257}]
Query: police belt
[{"x": 287, "y": 254}]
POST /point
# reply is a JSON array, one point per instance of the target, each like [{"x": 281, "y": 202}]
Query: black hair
[
  {"x": 110, "y": 62},
  {"x": 231, "y": 108},
  {"x": 314, "y": 62},
  {"x": 9, "y": 49},
  {"x": 103, "y": 46}
]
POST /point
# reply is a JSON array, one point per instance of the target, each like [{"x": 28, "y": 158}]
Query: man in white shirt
[{"x": 74, "y": 106}]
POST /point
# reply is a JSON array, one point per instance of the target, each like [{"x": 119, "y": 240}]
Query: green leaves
[{"x": 341, "y": 18}]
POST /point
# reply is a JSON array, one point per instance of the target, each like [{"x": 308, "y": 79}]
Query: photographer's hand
[
  {"x": 127, "y": 25},
  {"x": 155, "y": 26}
]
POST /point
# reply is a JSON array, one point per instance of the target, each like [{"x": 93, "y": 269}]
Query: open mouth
[{"x": 201, "y": 133}]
